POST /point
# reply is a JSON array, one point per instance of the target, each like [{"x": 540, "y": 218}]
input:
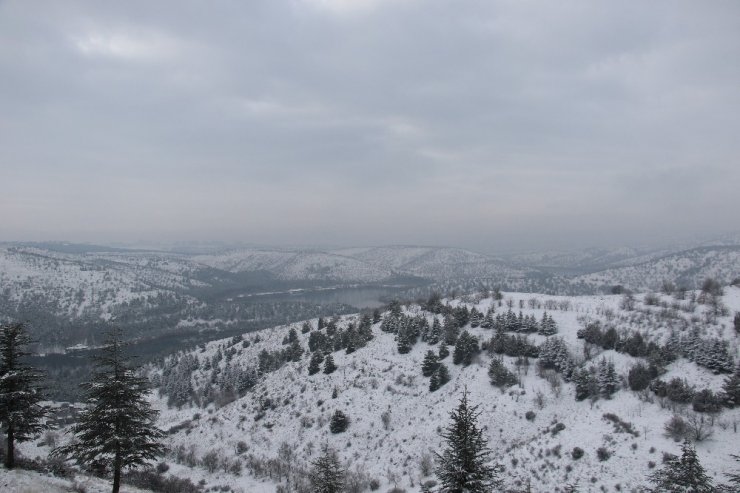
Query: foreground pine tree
[
  {"x": 465, "y": 465},
  {"x": 21, "y": 416},
  {"x": 327, "y": 475},
  {"x": 682, "y": 475},
  {"x": 117, "y": 427}
]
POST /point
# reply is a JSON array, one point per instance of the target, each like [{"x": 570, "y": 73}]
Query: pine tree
[
  {"x": 440, "y": 377},
  {"x": 487, "y": 322},
  {"x": 329, "y": 366},
  {"x": 731, "y": 389},
  {"x": 327, "y": 475},
  {"x": 465, "y": 350},
  {"x": 429, "y": 365},
  {"x": 118, "y": 423},
  {"x": 500, "y": 376},
  {"x": 714, "y": 355},
  {"x": 608, "y": 379},
  {"x": 315, "y": 364},
  {"x": 435, "y": 334},
  {"x": 584, "y": 383},
  {"x": 434, "y": 382},
  {"x": 465, "y": 465},
  {"x": 553, "y": 353},
  {"x": 682, "y": 475},
  {"x": 339, "y": 422},
  {"x": 547, "y": 326},
  {"x": 424, "y": 329},
  {"x": 21, "y": 414},
  {"x": 443, "y": 351},
  {"x": 451, "y": 330},
  {"x": 295, "y": 351},
  {"x": 403, "y": 341}
]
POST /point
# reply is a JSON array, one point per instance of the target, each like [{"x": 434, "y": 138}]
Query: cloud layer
[{"x": 488, "y": 124}]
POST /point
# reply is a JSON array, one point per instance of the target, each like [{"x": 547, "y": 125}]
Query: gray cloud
[{"x": 489, "y": 124}]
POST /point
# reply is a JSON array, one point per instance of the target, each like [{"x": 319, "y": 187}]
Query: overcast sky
[{"x": 485, "y": 124}]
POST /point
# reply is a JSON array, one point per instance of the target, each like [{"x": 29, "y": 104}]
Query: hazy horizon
[
  {"x": 214, "y": 245},
  {"x": 490, "y": 125}
]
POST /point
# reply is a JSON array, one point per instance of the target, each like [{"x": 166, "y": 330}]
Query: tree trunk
[
  {"x": 10, "y": 457},
  {"x": 117, "y": 472}
]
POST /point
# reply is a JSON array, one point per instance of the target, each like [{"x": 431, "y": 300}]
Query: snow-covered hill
[
  {"x": 687, "y": 268},
  {"x": 91, "y": 285},
  {"x": 435, "y": 263},
  {"x": 297, "y": 265},
  {"x": 253, "y": 442}
]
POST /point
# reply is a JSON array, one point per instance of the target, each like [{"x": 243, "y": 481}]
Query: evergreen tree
[
  {"x": 547, "y": 326},
  {"x": 584, "y": 383},
  {"x": 429, "y": 365},
  {"x": 639, "y": 377},
  {"x": 435, "y": 334},
  {"x": 465, "y": 350},
  {"x": 731, "y": 389},
  {"x": 464, "y": 466},
  {"x": 306, "y": 327},
  {"x": 314, "y": 364},
  {"x": 365, "y": 330},
  {"x": 403, "y": 341},
  {"x": 487, "y": 322},
  {"x": 553, "y": 353},
  {"x": 451, "y": 330},
  {"x": 118, "y": 424},
  {"x": 316, "y": 340},
  {"x": 682, "y": 475},
  {"x": 607, "y": 378},
  {"x": 329, "y": 366},
  {"x": 295, "y": 351},
  {"x": 440, "y": 377},
  {"x": 500, "y": 376},
  {"x": 736, "y": 322},
  {"x": 443, "y": 351},
  {"x": 339, "y": 422},
  {"x": 327, "y": 475},
  {"x": 714, "y": 355},
  {"x": 21, "y": 414}
]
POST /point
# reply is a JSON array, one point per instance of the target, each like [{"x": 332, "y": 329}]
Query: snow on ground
[
  {"x": 376, "y": 379},
  {"x": 20, "y": 481}
]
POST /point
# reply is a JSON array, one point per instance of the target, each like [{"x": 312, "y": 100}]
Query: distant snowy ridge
[{"x": 687, "y": 268}]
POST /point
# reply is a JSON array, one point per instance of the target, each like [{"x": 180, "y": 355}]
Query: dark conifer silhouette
[
  {"x": 117, "y": 427},
  {"x": 464, "y": 466},
  {"x": 21, "y": 415}
]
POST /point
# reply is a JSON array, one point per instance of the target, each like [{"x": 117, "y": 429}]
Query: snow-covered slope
[
  {"x": 688, "y": 268},
  {"x": 285, "y": 416},
  {"x": 297, "y": 265},
  {"x": 434, "y": 263},
  {"x": 90, "y": 285},
  {"x": 587, "y": 260}
]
